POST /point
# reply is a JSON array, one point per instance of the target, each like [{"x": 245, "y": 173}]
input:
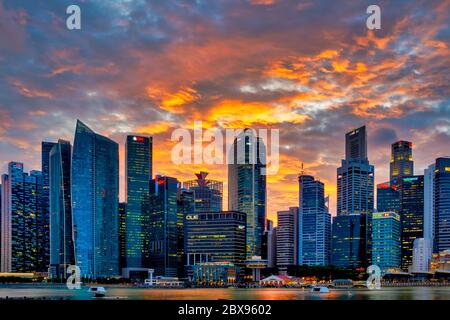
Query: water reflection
[{"x": 114, "y": 292}]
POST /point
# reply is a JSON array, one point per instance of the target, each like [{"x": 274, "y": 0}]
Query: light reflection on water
[{"x": 116, "y": 292}]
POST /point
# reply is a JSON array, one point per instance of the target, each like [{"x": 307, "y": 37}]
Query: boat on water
[
  {"x": 98, "y": 292},
  {"x": 319, "y": 289}
]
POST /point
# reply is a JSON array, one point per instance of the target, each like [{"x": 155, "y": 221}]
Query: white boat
[
  {"x": 319, "y": 289},
  {"x": 98, "y": 292}
]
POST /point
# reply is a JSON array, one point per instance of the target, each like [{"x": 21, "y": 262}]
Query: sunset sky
[{"x": 308, "y": 68}]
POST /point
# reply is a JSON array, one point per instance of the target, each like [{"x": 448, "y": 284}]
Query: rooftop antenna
[{"x": 302, "y": 171}]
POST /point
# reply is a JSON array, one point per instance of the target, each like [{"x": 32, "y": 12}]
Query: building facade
[
  {"x": 411, "y": 213},
  {"x": 422, "y": 254},
  {"x": 442, "y": 205},
  {"x": 22, "y": 204},
  {"x": 95, "y": 201},
  {"x": 355, "y": 198},
  {"x": 164, "y": 225},
  {"x": 138, "y": 173},
  {"x": 62, "y": 252},
  {"x": 428, "y": 202},
  {"x": 215, "y": 237},
  {"x": 386, "y": 237},
  {"x": 207, "y": 193},
  {"x": 402, "y": 164},
  {"x": 388, "y": 196},
  {"x": 247, "y": 186},
  {"x": 287, "y": 238},
  {"x": 314, "y": 223}
]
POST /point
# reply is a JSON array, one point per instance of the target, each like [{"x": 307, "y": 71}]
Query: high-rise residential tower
[
  {"x": 62, "y": 252},
  {"x": 207, "y": 193},
  {"x": 22, "y": 204},
  {"x": 95, "y": 201},
  {"x": 442, "y": 205},
  {"x": 247, "y": 186},
  {"x": 402, "y": 164},
  {"x": 314, "y": 223},
  {"x": 138, "y": 173}
]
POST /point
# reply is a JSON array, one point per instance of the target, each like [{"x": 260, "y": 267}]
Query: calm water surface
[{"x": 117, "y": 292}]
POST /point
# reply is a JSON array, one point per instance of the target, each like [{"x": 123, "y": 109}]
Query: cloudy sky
[{"x": 308, "y": 68}]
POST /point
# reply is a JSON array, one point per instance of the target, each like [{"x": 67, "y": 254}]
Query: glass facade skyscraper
[
  {"x": 138, "y": 171},
  {"x": 44, "y": 219},
  {"x": 22, "y": 204},
  {"x": 122, "y": 221},
  {"x": 351, "y": 243},
  {"x": 314, "y": 223},
  {"x": 61, "y": 229},
  {"x": 247, "y": 186},
  {"x": 95, "y": 200},
  {"x": 411, "y": 213},
  {"x": 215, "y": 237},
  {"x": 164, "y": 224},
  {"x": 207, "y": 193},
  {"x": 388, "y": 196},
  {"x": 442, "y": 205},
  {"x": 386, "y": 245},
  {"x": 402, "y": 164}
]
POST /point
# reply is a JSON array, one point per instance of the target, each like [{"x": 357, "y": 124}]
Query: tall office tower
[
  {"x": 287, "y": 238},
  {"x": 207, "y": 193},
  {"x": 95, "y": 202},
  {"x": 402, "y": 164},
  {"x": 22, "y": 204},
  {"x": 350, "y": 235},
  {"x": 215, "y": 237},
  {"x": 247, "y": 186},
  {"x": 122, "y": 221},
  {"x": 411, "y": 213},
  {"x": 164, "y": 214},
  {"x": 386, "y": 245},
  {"x": 271, "y": 244},
  {"x": 1, "y": 204},
  {"x": 422, "y": 252},
  {"x": 355, "y": 197},
  {"x": 428, "y": 203},
  {"x": 442, "y": 205},
  {"x": 388, "y": 197},
  {"x": 314, "y": 223},
  {"x": 62, "y": 252},
  {"x": 185, "y": 203},
  {"x": 44, "y": 219},
  {"x": 138, "y": 173}
]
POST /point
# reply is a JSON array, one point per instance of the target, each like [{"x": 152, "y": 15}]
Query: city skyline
[{"x": 312, "y": 70}]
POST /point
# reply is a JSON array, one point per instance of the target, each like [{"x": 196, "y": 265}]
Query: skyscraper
[
  {"x": 411, "y": 213},
  {"x": 122, "y": 221},
  {"x": 428, "y": 202},
  {"x": 402, "y": 164},
  {"x": 163, "y": 231},
  {"x": 44, "y": 220},
  {"x": 350, "y": 237},
  {"x": 138, "y": 171},
  {"x": 61, "y": 229},
  {"x": 207, "y": 193},
  {"x": 314, "y": 223},
  {"x": 247, "y": 186},
  {"x": 442, "y": 205},
  {"x": 95, "y": 200},
  {"x": 287, "y": 238},
  {"x": 355, "y": 197},
  {"x": 388, "y": 196},
  {"x": 386, "y": 245},
  {"x": 22, "y": 204}
]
